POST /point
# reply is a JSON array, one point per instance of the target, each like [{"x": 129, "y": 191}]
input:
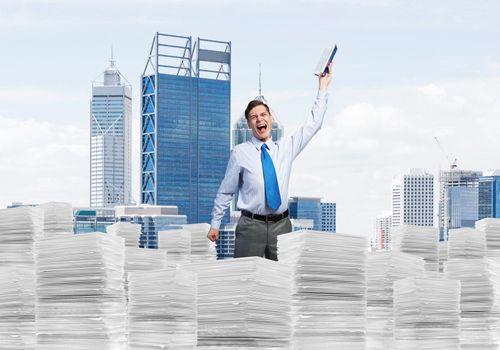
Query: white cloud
[
  {"x": 42, "y": 161},
  {"x": 432, "y": 90},
  {"x": 19, "y": 95}
]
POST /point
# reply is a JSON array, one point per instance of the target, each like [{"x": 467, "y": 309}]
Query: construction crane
[{"x": 453, "y": 164}]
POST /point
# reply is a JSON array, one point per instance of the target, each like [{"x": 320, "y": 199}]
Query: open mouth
[{"x": 262, "y": 127}]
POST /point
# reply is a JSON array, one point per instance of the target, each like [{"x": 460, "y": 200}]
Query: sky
[{"x": 405, "y": 72}]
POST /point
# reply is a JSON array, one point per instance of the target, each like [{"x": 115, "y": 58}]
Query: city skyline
[{"x": 404, "y": 74}]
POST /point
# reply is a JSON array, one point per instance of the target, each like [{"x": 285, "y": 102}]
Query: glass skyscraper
[
  {"x": 458, "y": 199},
  {"x": 461, "y": 207},
  {"x": 110, "y": 143},
  {"x": 186, "y": 90},
  {"x": 306, "y": 208},
  {"x": 489, "y": 195}
]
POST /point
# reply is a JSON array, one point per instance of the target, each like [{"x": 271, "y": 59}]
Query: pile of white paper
[
  {"x": 384, "y": 268},
  {"x": 20, "y": 228},
  {"x": 144, "y": 259},
  {"x": 243, "y": 303},
  {"x": 162, "y": 310},
  {"x": 418, "y": 240},
  {"x": 466, "y": 243},
  {"x": 426, "y": 314},
  {"x": 80, "y": 292},
  {"x": 176, "y": 244},
  {"x": 130, "y": 232},
  {"x": 491, "y": 228},
  {"x": 17, "y": 308},
  {"x": 480, "y": 297},
  {"x": 201, "y": 247},
  {"x": 58, "y": 218},
  {"x": 329, "y": 291}
]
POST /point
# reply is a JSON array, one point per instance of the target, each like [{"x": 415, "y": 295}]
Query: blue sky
[{"x": 405, "y": 72}]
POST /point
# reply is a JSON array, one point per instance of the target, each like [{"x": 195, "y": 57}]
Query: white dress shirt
[{"x": 244, "y": 169}]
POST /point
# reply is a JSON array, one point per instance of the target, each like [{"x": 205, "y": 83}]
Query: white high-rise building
[
  {"x": 383, "y": 234},
  {"x": 413, "y": 198},
  {"x": 110, "y": 140}
]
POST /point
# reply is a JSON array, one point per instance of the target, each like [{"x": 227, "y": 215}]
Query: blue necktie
[{"x": 273, "y": 198}]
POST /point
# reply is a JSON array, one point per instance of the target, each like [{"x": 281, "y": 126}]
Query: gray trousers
[{"x": 258, "y": 238}]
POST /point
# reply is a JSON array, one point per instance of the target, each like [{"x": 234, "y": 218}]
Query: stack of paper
[
  {"x": 130, "y": 232},
  {"x": 58, "y": 218},
  {"x": 426, "y": 314},
  {"x": 144, "y": 259},
  {"x": 491, "y": 228},
  {"x": 176, "y": 244},
  {"x": 480, "y": 289},
  {"x": 80, "y": 292},
  {"x": 384, "y": 268},
  {"x": 162, "y": 310},
  {"x": 201, "y": 247},
  {"x": 20, "y": 228},
  {"x": 466, "y": 243},
  {"x": 17, "y": 308},
  {"x": 243, "y": 303},
  {"x": 418, "y": 240},
  {"x": 329, "y": 292}
]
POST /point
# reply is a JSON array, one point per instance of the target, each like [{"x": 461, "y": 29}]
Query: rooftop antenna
[
  {"x": 260, "y": 81},
  {"x": 112, "y": 60}
]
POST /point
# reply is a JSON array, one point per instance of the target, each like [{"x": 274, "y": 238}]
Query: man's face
[{"x": 260, "y": 121}]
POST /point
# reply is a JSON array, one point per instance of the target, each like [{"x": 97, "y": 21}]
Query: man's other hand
[{"x": 213, "y": 234}]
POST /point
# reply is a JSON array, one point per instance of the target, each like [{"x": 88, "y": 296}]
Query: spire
[
  {"x": 112, "y": 60},
  {"x": 111, "y": 74}
]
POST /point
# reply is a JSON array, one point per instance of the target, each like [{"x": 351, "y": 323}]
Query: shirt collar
[{"x": 258, "y": 143}]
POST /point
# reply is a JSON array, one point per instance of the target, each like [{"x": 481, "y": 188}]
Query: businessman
[{"x": 259, "y": 170}]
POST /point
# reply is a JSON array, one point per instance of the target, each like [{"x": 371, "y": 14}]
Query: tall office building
[
  {"x": 308, "y": 208},
  {"x": 458, "y": 200},
  {"x": 328, "y": 216},
  {"x": 110, "y": 140},
  {"x": 383, "y": 233},
  {"x": 186, "y": 90},
  {"x": 489, "y": 195},
  {"x": 413, "y": 198}
]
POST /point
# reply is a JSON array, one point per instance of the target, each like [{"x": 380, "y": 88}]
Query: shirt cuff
[{"x": 215, "y": 224}]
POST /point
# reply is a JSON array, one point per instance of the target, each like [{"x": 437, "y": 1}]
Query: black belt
[{"x": 265, "y": 218}]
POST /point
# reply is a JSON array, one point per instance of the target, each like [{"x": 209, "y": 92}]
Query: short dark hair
[{"x": 253, "y": 104}]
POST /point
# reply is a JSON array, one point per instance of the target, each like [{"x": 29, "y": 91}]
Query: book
[{"x": 325, "y": 59}]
